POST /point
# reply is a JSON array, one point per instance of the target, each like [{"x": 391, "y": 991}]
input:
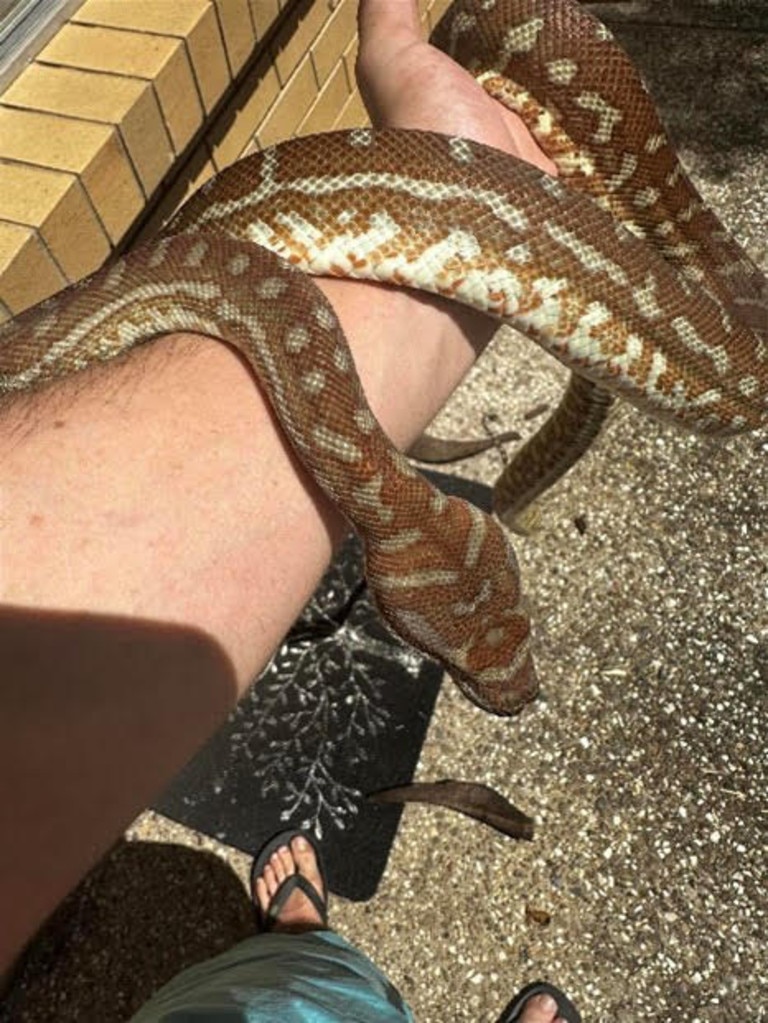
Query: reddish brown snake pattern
[{"x": 666, "y": 311}]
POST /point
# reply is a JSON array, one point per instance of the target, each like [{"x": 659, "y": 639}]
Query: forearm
[
  {"x": 149, "y": 486},
  {"x": 158, "y": 537},
  {"x": 154, "y": 506}
]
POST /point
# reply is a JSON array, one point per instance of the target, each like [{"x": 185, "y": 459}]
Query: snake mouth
[{"x": 505, "y": 700}]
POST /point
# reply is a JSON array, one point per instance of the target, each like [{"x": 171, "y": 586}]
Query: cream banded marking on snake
[
  {"x": 449, "y": 264},
  {"x": 562, "y": 71},
  {"x": 594, "y": 118},
  {"x": 418, "y": 543},
  {"x": 453, "y": 218}
]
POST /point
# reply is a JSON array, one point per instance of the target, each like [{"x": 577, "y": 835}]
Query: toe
[
  {"x": 276, "y": 862},
  {"x": 297, "y": 912},
  {"x": 262, "y": 894},
  {"x": 306, "y": 862},
  {"x": 539, "y": 1009},
  {"x": 270, "y": 880},
  {"x": 287, "y": 862}
]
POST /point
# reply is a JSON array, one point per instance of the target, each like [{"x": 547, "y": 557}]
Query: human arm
[{"x": 158, "y": 536}]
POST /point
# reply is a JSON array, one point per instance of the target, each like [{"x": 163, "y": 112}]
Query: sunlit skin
[{"x": 133, "y": 493}]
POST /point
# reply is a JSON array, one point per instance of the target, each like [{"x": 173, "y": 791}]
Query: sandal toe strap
[{"x": 284, "y": 892}]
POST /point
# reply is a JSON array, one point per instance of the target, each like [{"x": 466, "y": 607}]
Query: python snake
[
  {"x": 677, "y": 327},
  {"x": 585, "y": 102}
]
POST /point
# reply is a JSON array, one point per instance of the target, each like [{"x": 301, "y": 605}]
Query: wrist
[{"x": 411, "y": 350}]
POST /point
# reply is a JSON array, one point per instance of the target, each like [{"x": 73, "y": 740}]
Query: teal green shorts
[{"x": 316, "y": 977}]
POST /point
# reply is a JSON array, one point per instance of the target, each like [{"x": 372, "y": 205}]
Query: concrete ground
[{"x": 645, "y": 891}]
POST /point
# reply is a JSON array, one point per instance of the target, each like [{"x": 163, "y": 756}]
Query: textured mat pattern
[{"x": 342, "y": 711}]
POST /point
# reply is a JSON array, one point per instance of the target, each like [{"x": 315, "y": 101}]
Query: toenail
[
  {"x": 547, "y": 1003},
  {"x": 301, "y": 844}
]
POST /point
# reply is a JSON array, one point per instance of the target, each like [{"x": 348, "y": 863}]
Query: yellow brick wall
[{"x": 135, "y": 103}]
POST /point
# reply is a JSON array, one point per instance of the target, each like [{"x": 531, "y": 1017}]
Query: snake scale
[{"x": 664, "y": 311}]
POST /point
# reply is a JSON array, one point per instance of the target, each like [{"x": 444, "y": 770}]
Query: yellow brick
[
  {"x": 92, "y": 151},
  {"x": 264, "y": 14},
  {"x": 147, "y": 141},
  {"x": 118, "y": 208},
  {"x": 354, "y": 114},
  {"x": 250, "y": 149},
  {"x": 290, "y": 107},
  {"x": 179, "y": 101},
  {"x": 436, "y": 10},
  {"x": 55, "y": 204},
  {"x": 162, "y": 17},
  {"x": 237, "y": 29},
  {"x": 234, "y": 129},
  {"x": 350, "y": 59},
  {"x": 195, "y": 173},
  {"x": 27, "y": 272},
  {"x": 128, "y": 103},
  {"x": 158, "y": 59},
  {"x": 192, "y": 20},
  {"x": 325, "y": 110},
  {"x": 303, "y": 21},
  {"x": 335, "y": 37},
  {"x": 109, "y": 50}
]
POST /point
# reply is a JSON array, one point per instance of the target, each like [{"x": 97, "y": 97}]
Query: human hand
[{"x": 406, "y": 83}]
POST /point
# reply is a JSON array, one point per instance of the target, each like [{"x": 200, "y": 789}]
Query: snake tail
[{"x": 551, "y": 452}]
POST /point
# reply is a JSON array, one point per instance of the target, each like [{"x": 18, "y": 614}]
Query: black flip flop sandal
[
  {"x": 266, "y": 921},
  {"x": 565, "y": 1006}
]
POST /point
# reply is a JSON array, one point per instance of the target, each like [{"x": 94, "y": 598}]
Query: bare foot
[
  {"x": 298, "y": 914},
  {"x": 540, "y": 1009}
]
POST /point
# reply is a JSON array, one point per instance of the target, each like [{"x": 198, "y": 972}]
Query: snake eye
[{"x": 495, "y": 637}]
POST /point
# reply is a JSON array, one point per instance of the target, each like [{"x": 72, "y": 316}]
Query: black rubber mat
[{"x": 342, "y": 711}]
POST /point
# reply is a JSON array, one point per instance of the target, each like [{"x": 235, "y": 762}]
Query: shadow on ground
[
  {"x": 722, "y": 130},
  {"x": 146, "y": 912}
]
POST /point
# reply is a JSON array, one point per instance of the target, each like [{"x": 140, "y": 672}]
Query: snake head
[{"x": 504, "y": 689}]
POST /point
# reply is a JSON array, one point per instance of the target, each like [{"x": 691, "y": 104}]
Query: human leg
[
  {"x": 296, "y": 970},
  {"x": 300, "y": 913},
  {"x": 299, "y": 971}
]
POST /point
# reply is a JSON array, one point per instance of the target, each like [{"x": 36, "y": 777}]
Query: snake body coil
[{"x": 678, "y": 327}]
